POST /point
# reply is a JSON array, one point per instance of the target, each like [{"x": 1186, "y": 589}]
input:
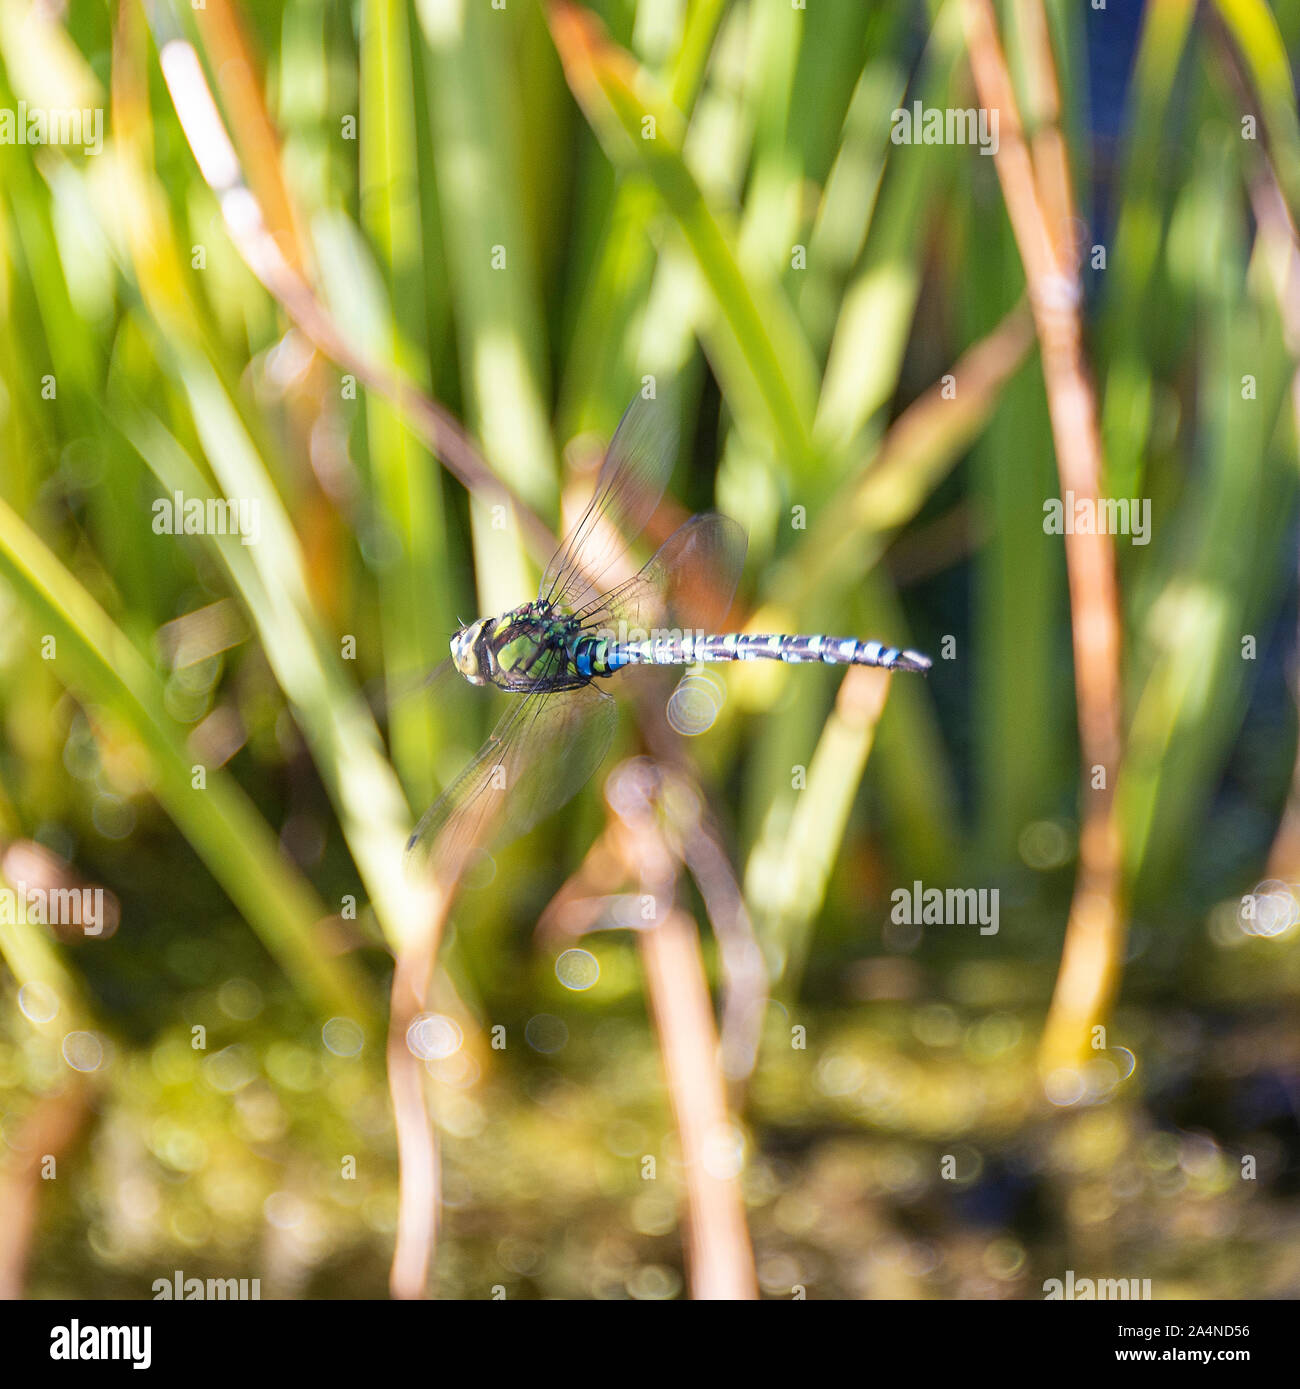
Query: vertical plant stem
[
  {"x": 721, "y": 1259},
  {"x": 1038, "y": 206},
  {"x": 417, "y": 1141}
]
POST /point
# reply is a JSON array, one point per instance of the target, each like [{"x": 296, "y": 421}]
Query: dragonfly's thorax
[{"x": 530, "y": 645}]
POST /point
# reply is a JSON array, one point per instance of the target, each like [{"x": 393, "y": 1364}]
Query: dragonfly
[{"x": 555, "y": 653}]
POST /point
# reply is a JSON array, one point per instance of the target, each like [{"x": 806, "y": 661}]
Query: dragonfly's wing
[
  {"x": 689, "y": 584},
  {"x": 537, "y": 758},
  {"x": 385, "y": 693},
  {"x": 631, "y": 481}
]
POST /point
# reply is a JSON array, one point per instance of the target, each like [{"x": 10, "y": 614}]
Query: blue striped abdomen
[{"x": 596, "y": 657}]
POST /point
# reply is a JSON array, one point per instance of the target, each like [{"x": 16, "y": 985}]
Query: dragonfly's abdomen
[
  {"x": 593, "y": 656},
  {"x": 606, "y": 657}
]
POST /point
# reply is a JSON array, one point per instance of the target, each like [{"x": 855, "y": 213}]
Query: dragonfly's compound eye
[{"x": 465, "y": 653}]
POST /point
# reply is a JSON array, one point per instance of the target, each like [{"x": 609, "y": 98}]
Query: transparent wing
[
  {"x": 689, "y": 583},
  {"x": 385, "y": 693},
  {"x": 538, "y": 757},
  {"x": 632, "y": 478}
]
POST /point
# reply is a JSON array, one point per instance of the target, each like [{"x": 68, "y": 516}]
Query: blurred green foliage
[{"x": 526, "y": 258}]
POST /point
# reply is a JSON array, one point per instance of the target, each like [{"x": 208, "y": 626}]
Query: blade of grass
[
  {"x": 871, "y": 329},
  {"x": 1254, "y": 29},
  {"x": 219, "y": 165},
  {"x": 771, "y": 388},
  {"x": 269, "y": 577},
  {"x": 1128, "y": 332},
  {"x": 490, "y": 277},
  {"x": 789, "y": 868},
  {"x": 1197, "y": 672},
  {"x": 220, "y": 822},
  {"x": 405, "y": 485}
]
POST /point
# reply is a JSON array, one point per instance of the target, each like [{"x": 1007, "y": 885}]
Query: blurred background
[{"x": 385, "y": 275}]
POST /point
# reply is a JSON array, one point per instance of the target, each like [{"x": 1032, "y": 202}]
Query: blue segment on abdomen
[{"x": 594, "y": 657}]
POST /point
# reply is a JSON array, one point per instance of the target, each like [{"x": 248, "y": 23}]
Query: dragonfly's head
[{"x": 471, "y": 654}]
